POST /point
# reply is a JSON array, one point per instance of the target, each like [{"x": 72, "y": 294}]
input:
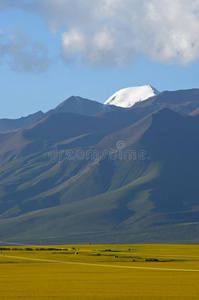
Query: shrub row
[{"x": 31, "y": 249}]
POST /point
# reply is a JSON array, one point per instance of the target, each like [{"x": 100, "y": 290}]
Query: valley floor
[{"x": 100, "y": 272}]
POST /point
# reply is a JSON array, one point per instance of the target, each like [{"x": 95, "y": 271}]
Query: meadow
[{"x": 100, "y": 272}]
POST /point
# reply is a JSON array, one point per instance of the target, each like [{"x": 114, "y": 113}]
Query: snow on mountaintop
[{"x": 129, "y": 96}]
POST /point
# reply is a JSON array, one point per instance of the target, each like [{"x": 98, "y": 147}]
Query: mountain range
[
  {"x": 73, "y": 104},
  {"x": 87, "y": 172}
]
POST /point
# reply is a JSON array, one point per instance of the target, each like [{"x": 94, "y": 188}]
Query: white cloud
[
  {"x": 114, "y": 32},
  {"x": 24, "y": 55},
  {"x": 73, "y": 43}
]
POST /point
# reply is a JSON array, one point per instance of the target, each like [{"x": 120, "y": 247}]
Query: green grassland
[{"x": 100, "y": 272}]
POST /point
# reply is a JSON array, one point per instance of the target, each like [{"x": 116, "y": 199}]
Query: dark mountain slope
[
  {"x": 173, "y": 140},
  {"x": 54, "y": 128},
  {"x": 61, "y": 126},
  {"x": 128, "y": 135},
  {"x": 83, "y": 174}
]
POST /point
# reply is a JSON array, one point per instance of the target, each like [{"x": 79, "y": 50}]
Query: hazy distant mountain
[
  {"x": 182, "y": 101},
  {"x": 73, "y": 104},
  {"x": 129, "y": 96},
  {"x": 142, "y": 100},
  {"x": 81, "y": 106},
  {"x": 8, "y": 125},
  {"x": 129, "y": 174}
]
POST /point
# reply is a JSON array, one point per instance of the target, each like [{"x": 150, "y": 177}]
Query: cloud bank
[{"x": 112, "y": 33}]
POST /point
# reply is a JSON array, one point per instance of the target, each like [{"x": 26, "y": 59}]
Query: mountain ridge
[{"x": 129, "y": 173}]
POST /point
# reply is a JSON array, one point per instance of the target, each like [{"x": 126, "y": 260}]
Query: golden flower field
[{"x": 100, "y": 272}]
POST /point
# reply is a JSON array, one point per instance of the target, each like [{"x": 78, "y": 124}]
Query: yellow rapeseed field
[{"x": 100, "y": 272}]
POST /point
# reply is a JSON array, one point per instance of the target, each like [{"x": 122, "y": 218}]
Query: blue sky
[{"x": 52, "y": 49}]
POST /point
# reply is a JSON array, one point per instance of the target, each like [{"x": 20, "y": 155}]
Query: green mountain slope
[{"x": 138, "y": 184}]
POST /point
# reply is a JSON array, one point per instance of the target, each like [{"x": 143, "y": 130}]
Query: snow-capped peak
[{"x": 129, "y": 96}]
